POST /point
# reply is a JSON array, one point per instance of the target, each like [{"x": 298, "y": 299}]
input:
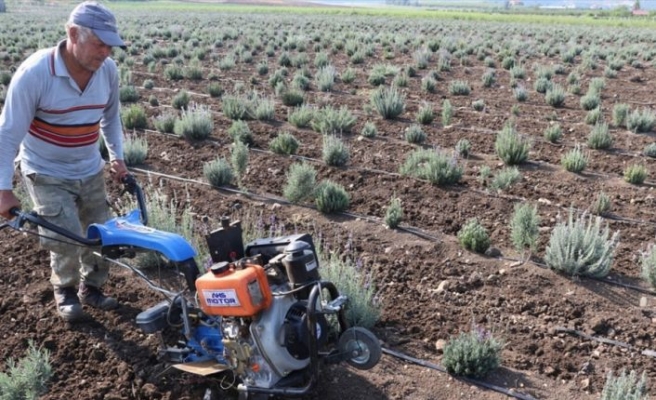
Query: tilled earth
[{"x": 428, "y": 288}]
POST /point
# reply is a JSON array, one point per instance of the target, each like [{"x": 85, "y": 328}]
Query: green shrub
[
  {"x": 27, "y": 378},
  {"x": 620, "y": 114},
  {"x": 394, "y": 213},
  {"x": 596, "y": 85},
  {"x": 414, "y": 134},
  {"x": 369, "y": 130},
  {"x": 328, "y": 120},
  {"x": 215, "y": 90},
  {"x": 292, "y": 97},
  {"x": 590, "y": 101},
  {"x": 361, "y": 290},
  {"x": 428, "y": 84},
  {"x": 436, "y": 167},
  {"x": 237, "y": 107},
  {"x": 474, "y": 237},
  {"x": 401, "y": 80},
  {"x": 479, "y": 105},
  {"x": 625, "y": 387},
  {"x": 600, "y": 205},
  {"x": 641, "y": 121},
  {"x": 334, "y": 153},
  {"x": 196, "y": 123},
  {"x": 600, "y": 137},
  {"x": 180, "y": 100},
  {"x": 459, "y": 88},
  {"x": 325, "y": 78},
  {"x": 148, "y": 84},
  {"x": 301, "y": 116},
  {"x": 128, "y": 94},
  {"x": 635, "y": 174},
  {"x": 321, "y": 60},
  {"x": 555, "y": 96},
  {"x": 262, "y": 67},
  {"x": 518, "y": 72},
  {"x": 218, "y": 172},
  {"x": 505, "y": 178},
  {"x": 389, "y": 102},
  {"x": 348, "y": 75},
  {"x": 650, "y": 150},
  {"x": 239, "y": 131},
  {"x": 152, "y": 100},
  {"x": 135, "y": 150},
  {"x": 284, "y": 143},
  {"x": 165, "y": 123},
  {"x": 474, "y": 354},
  {"x": 173, "y": 72},
  {"x": 520, "y": 93},
  {"x": 447, "y": 112},
  {"x": 264, "y": 109},
  {"x": 524, "y": 227},
  {"x": 331, "y": 197},
  {"x": 553, "y": 133},
  {"x": 510, "y": 146},
  {"x": 580, "y": 246},
  {"x": 134, "y": 117},
  {"x": 507, "y": 63},
  {"x": 5, "y": 78},
  {"x": 488, "y": 78},
  {"x": 239, "y": 160},
  {"x": 542, "y": 85},
  {"x": 594, "y": 116},
  {"x": 193, "y": 72},
  {"x": 574, "y": 160},
  {"x": 463, "y": 148},
  {"x": 301, "y": 181}
]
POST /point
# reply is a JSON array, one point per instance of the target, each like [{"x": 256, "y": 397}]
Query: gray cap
[{"x": 100, "y": 20}]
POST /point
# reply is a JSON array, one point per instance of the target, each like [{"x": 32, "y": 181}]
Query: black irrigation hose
[{"x": 427, "y": 364}]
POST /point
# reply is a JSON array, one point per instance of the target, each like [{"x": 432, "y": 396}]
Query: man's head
[
  {"x": 99, "y": 20},
  {"x": 92, "y": 32}
]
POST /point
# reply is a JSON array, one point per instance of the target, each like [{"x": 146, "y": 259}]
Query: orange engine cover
[{"x": 234, "y": 293}]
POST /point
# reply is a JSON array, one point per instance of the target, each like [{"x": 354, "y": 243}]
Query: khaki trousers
[{"x": 72, "y": 205}]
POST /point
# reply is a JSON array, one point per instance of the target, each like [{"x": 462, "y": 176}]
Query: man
[{"x": 59, "y": 102}]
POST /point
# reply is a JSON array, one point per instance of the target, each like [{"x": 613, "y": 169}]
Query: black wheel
[{"x": 361, "y": 346}]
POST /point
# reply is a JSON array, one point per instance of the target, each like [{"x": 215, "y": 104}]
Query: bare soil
[{"x": 522, "y": 303}]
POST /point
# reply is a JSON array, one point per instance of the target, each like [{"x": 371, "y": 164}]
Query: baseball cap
[{"x": 100, "y": 20}]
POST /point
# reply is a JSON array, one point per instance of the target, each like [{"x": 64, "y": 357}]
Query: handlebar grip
[{"x": 15, "y": 211}]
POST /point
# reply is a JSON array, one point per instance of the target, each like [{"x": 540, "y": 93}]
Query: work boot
[
  {"x": 68, "y": 304},
  {"x": 92, "y": 296}
]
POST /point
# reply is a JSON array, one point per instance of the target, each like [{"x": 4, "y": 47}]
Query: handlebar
[
  {"x": 31, "y": 216},
  {"x": 131, "y": 186}
]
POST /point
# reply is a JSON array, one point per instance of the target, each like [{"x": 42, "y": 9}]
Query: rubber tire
[{"x": 358, "y": 338}]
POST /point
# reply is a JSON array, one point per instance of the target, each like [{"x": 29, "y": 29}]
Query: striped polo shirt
[{"x": 54, "y": 126}]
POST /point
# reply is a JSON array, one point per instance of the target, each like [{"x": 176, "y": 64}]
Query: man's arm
[
  {"x": 17, "y": 115},
  {"x": 111, "y": 125}
]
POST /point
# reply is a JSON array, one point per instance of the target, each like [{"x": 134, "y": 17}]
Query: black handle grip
[{"x": 131, "y": 186}]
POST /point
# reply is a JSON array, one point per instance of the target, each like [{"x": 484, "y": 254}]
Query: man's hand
[
  {"x": 118, "y": 169},
  {"x": 7, "y": 202}
]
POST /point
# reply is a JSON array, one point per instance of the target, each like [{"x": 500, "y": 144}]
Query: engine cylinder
[{"x": 300, "y": 263}]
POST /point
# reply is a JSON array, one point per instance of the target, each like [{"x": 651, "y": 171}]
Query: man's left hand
[{"x": 118, "y": 169}]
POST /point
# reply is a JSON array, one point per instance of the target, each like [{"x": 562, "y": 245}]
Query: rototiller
[{"x": 260, "y": 316}]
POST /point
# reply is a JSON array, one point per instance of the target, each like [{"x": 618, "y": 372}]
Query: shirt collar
[{"x": 58, "y": 64}]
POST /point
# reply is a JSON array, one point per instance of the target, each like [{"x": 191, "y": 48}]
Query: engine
[{"x": 251, "y": 311}]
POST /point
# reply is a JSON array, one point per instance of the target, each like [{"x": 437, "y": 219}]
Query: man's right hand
[{"x": 7, "y": 202}]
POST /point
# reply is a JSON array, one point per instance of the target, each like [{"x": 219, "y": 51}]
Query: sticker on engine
[
  {"x": 311, "y": 265},
  {"x": 221, "y": 298}
]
